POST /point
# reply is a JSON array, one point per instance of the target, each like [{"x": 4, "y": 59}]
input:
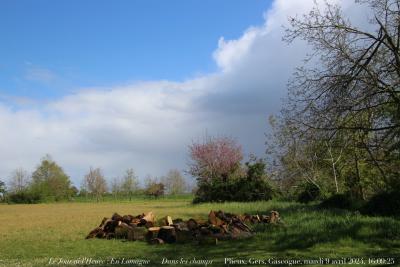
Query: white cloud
[
  {"x": 230, "y": 52},
  {"x": 149, "y": 125}
]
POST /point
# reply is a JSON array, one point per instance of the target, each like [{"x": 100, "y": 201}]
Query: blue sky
[{"x": 52, "y": 48}]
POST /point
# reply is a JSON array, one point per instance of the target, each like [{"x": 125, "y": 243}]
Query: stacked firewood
[{"x": 219, "y": 226}]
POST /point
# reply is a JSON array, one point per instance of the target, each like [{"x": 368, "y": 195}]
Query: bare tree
[
  {"x": 116, "y": 187},
  {"x": 130, "y": 183},
  {"x": 149, "y": 179},
  {"x": 174, "y": 182},
  {"x": 96, "y": 182},
  {"x": 349, "y": 87},
  {"x": 334, "y": 160},
  {"x": 19, "y": 180}
]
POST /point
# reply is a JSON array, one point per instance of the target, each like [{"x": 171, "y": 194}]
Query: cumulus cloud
[{"x": 148, "y": 125}]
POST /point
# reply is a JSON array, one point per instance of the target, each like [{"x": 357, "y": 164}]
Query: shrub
[
  {"x": 251, "y": 187},
  {"x": 252, "y": 190},
  {"x": 155, "y": 189},
  {"x": 25, "y": 197},
  {"x": 386, "y": 204},
  {"x": 308, "y": 192},
  {"x": 341, "y": 201}
]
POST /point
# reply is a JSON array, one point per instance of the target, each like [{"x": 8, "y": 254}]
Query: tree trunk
[
  {"x": 168, "y": 234},
  {"x": 152, "y": 233}
]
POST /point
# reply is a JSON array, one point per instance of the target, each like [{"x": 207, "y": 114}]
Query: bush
[
  {"x": 24, "y": 197},
  {"x": 386, "y": 204},
  {"x": 251, "y": 187},
  {"x": 155, "y": 189},
  {"x": 308, "y": 192},
  {"x": 341, "y": 201},
  {"x": 240, "y": 190}
]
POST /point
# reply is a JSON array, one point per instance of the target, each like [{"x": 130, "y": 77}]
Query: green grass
[{"x": 32, "y": 234}]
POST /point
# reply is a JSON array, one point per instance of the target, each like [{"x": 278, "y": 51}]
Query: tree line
[{"x": 48, "y": 182}]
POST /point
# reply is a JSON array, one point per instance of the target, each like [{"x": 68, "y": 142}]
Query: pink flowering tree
[{"x": 216, "y": 158}]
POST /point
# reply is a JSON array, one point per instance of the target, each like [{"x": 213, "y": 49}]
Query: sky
[
  {"x": 51, "y": 48},
  {"x": 130, "y": 84}
]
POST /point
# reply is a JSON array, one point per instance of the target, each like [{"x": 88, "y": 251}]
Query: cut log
[
  {"x": 149, "y": 217},
  {"x": 109, "y": 226},
  {"x": 135, "y": 221},
  {"x": 225, "y": 228},
  {"x": 237, "y": 233},
  {"x": 140, "y": 216},
  {"x": 169, "y": 221},
  {"x": 183, "y": 235},
  {"x": 116, "y": 217},
  {"x": 176, "y": 221},
  {"x": 152, "y": 233},
  {"x": 224, "y": 217},
  {"x": 241, "y": 225},
  {"x": 205, "y": 230},
  {"x": 110, "y": 235},
  {"x": 246, "y": 218},
  {"x": 180, "y": 226},
  {"x": 168, "y": 234},
  {"x": 165, "y": 221},
  {"x": 127, "y": 219},
  {"x": 94, "y": 232},
  {"x": 213, "y": 219},
  {"x": 265, "y": 218},
  {"x": 156, "y": 241},
  {"x": 123, "y": 231},
  {"x": 255, "y": 219},
  {"x": 149, "y": 225},
  {"x": 192, "y": 224},
  {"x": 103, "y": 222},
  {"x": 274, "y": 217},
  {"x": 215, "y": 229},
  {"x": 138, "y": 233},
  {"x": 101, "y": 234}
]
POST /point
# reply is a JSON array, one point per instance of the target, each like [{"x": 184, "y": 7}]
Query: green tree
[
  {"x": 155, "y": 189},
  {"x": 50, "y": 181}
]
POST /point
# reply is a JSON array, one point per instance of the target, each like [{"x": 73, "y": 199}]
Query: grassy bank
[{"x": 32, "y": 234}]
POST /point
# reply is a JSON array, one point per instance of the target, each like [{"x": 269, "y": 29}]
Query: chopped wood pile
[{"x": 219, "y": 226}]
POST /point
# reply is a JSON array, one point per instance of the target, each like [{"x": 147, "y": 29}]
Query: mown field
[{"x": 34, "y": 235}]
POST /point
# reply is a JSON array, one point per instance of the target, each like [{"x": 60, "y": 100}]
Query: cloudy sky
[{"x": 130, "y": 84}]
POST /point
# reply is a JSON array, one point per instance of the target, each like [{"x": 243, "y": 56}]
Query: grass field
[{"x": 34, "y": 235}]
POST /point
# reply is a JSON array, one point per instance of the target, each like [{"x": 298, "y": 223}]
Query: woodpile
[{"x": 219, "y": 226}]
